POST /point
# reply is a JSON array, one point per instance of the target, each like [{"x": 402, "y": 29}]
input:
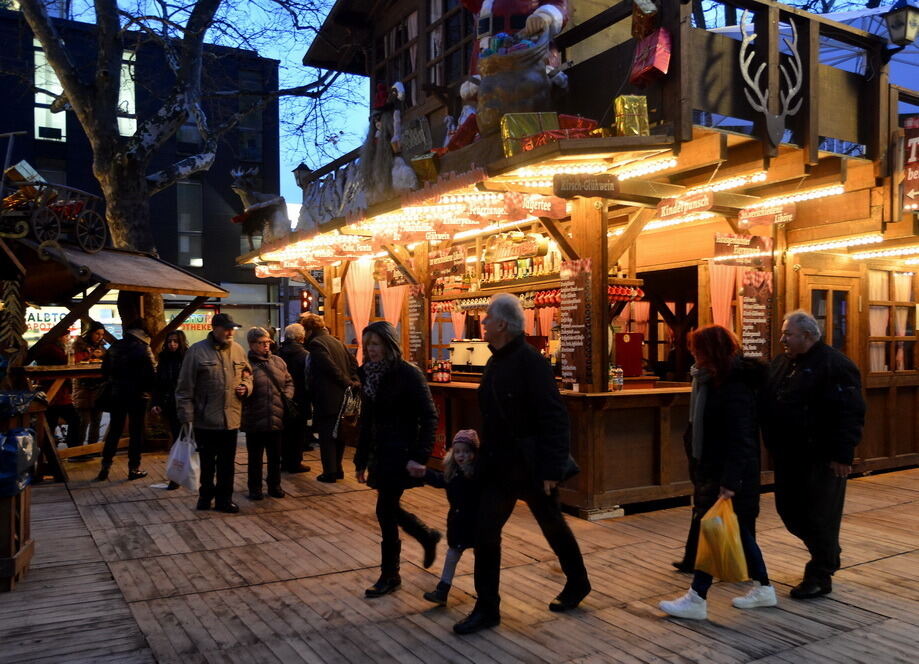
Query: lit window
[
  {"x": 190, "y": 218},
  {"x": 48, "y": 126},
  {"x": 127, "y": 111}
]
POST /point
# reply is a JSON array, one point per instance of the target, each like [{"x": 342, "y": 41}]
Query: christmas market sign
[
  {"x": 570, "y": 185},
  {"x": 511, "y": 246},
  {"x": 575, "y": 318},
  {"x": 673, "y": 208},
  {"x": 743, "y": 250},
  {"x": 444, "y": 262},
  {"x": 416, "y": 138},
  {"x": 767, "y": 215},
  {"x": 417, "y": 327},
  {"x": 911, "y": 164},
  {"x": 520, "y": 206}
]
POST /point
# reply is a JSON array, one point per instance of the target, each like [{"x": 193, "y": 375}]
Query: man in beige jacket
[{"x": 214, "y": 379}]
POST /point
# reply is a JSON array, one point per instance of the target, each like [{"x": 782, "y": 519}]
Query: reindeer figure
[
  {"x": 263, "y": 214},
  {"x": 775, "y": 124}
]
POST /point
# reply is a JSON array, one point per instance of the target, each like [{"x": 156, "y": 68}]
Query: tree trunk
[{"x": 127, "y": 211}]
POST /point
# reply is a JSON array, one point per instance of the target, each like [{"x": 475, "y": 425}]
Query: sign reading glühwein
[{"x": 599, "y": 185}]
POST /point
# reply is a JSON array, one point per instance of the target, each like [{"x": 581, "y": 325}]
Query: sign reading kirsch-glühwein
[{"x": 598, "y": 185}]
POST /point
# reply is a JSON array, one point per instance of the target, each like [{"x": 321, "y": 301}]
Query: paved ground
[{"x": 128, "y": 573}]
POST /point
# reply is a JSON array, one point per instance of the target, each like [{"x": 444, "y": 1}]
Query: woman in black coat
[
  {"x": 398, "y": 420},
  {"x": 723, "y": 441},
  {"x": 168, "y": 365}
]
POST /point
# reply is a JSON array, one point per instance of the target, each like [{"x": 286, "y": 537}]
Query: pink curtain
[
  {"x": 641, "y": 314},
  {"x": 529, "y": 322},
  {"x": 359, "y": 288},
  {"x": 458, "y": 319},
  {"x": 392, "y": 297},
  {"x": 723, "y": 291},
  {"x": 546, "y": 316}
]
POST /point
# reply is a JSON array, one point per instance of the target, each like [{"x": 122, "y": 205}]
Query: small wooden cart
[{"x": 49, "y": 211}]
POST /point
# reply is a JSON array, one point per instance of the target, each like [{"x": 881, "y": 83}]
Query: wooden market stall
[
  {"x": 64, "y": 275},
  {"x": 731, "y": 205}
]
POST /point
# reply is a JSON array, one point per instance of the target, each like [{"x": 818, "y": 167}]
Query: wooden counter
[{"x": 629, "y": 444}]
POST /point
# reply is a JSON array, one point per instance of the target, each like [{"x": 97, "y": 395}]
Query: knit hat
[
  {"x": 468, "y": 437},
  {"x": 387, "y": 333}
]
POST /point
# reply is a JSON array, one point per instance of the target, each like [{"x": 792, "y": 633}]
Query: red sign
[
  {"x": 911, "y": 164},
  {"x": 769, "y": 214},
  {"x": 672, "y": 208},
  {"x": 520, "y": 206},
  {"x": 443, "y": 262}
]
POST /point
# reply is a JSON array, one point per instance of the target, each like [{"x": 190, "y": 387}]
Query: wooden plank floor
[{"x": 127, "y": 572}]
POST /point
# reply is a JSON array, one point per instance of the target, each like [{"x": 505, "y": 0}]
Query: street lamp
[
  {"x": 302, "y": 174},
  {"x": 903, "y": 22}
]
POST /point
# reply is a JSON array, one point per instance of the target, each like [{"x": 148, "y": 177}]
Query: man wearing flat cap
[{"x": 214, "y": 379}]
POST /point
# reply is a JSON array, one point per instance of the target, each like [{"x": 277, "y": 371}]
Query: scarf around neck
[
  {"x": 373, "y": 374},
  {"x": 697, "y": 399}
]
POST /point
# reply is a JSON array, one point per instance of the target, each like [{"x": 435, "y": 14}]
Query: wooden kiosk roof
[{"x": 57, "y": 274}]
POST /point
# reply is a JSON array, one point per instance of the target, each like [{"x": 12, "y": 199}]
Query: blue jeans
[{"x": 702, "y": 581}]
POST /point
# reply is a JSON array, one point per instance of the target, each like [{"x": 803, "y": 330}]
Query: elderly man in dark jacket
[
  {"x": 524, "y": 455},
  {"x": 812, "y": 418},
  {"x": 298, "y": 437},
  {"x": 331, "y": 371},
  {"x": 129, "y": 368}
]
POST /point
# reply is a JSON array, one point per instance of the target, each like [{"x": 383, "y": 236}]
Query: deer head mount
[{"x": 757, "y": 96}]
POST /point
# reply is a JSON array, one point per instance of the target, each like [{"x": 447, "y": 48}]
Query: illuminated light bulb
[
  {"x": 841, "y": 243},
  {"x": 730, "y": 183},
  {"x": 664, "y": 223},
  {"x": 753, "y": 254},
  {"x": 799, "y": 197},
  {"x": 645, "y": 168}
]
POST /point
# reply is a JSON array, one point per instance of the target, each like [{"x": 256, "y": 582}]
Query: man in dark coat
[
  {"x": 524, "y": 455},
  {"x": 331, "y": 370},
  {"x": 297, "y": 438},
  {"x": 129, "y": 368},
  {"x": 812, "y": 417}
]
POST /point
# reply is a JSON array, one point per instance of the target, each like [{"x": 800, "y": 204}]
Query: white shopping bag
[{"x": 183, "y": 466}]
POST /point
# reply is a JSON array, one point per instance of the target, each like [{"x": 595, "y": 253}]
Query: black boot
[
  {"x": 103, "y": 474},
  {"x": 439, "y": 594},
  {"x": 427, "y": 537},
  {"x": 389, "y": 570}
]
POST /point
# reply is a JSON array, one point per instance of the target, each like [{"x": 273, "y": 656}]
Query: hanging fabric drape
[
  {"x": 393, "y": 299},
  {"x": 902, "y": 289},
  {"x": 459, "y": 324},
  {"x": 878, "y": 319},
  {"x": 359, "y": 287},
  {"x": 529, "y": 322},
  {"x": 722, "y": 279},
  {"x": 641, "y": 314},
  {"x": 546, "y": 316}
]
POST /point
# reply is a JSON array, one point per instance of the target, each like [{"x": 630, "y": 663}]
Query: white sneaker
[
  {"x": 758, "y": 596},
  {"x": 689, "y": 606}
]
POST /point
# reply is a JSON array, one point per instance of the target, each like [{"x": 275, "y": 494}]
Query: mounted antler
[{"x": 775, "y": 124}]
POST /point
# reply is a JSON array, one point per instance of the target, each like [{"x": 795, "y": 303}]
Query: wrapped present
[
  {"x": 515, "y": 127},
  {"x": 425, "y": 167},
  {"x": 552, "y": 136},
  {"x": 645, "y": 18},
  {"x": 652, "y": 58},
  {"x": 631, "y": 115},
  {"x": 576, "y": 122},
  {"x": 464, "y": 134},
  {"x": 603, "y": 132}
]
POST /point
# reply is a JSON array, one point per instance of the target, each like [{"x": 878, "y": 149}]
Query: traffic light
[{"x": 306, "y": 300}]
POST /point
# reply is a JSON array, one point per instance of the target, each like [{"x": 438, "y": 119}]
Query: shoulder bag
[{"x": 291, "y": 408}]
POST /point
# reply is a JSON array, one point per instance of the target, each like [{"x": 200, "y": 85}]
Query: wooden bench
[{"x": 16, "y": 543}]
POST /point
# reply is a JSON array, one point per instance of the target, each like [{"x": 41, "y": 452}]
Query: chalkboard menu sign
[
  {"x": 756, "y": 309},
  {"x": 575, "y": 317},
  {"x": 417, "y": 327}
]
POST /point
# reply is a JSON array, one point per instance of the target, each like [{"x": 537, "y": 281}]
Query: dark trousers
[
  {"x": 71, "y": 418},
  {"x": 135, "y": 412},
  {"x": 90, "y": 420},
  {"x": 810, "y": 498},
  {"x": 331, "y": 449},
  {"x": 294, "y": 439},
  {"x": 269, "y": 444},
  {"x": 756, "y": 565},
  {"x": 497, "y": 503},
  {"x": 217, "y": 451},
  {"x": 391, "y": 517}
]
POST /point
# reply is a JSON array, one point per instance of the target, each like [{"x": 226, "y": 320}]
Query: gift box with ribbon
[
  {"x": 631, "y": 115},
  {"x": 425, "y": 167},
  {"x": 644, "y": 18},
  {"x": 652, "y": 58},
  {"x": 552, "y": 136},
  {"x": 576, "y": 122},
  {"x": 517, "y": 127}
]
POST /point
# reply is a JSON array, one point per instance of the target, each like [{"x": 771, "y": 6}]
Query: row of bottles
[
  {"x": 441, "y": 371},
  {"x": 616, "y": 380}
]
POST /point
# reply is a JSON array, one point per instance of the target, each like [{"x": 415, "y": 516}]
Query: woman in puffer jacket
[{"x": 263, "y": 413}]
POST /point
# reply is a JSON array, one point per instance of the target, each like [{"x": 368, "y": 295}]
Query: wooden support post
[
  {"x": 879, "y": 113},
  {"x": 767, "y": 50},
  {"x": 76, "y": 312},
  {"x": 784, "y": 286},
  {"x": 557, "y": 234},
  {"x": 177, "y": 321},
  {"x": 810, "y": 112},
  {"x": 705, "y": 295},
  {"x": 403, "y": 260},
  {"x": 588, "y": 226},
  {"x": 619, "y": 245},
  {"x": 678, "y": 84}
]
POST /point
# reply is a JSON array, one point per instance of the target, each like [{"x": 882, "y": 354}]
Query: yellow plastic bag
[{"x": 720, "y": 552}]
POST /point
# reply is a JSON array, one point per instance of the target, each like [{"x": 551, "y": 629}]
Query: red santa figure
[{"x": 527, "y": 17}]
